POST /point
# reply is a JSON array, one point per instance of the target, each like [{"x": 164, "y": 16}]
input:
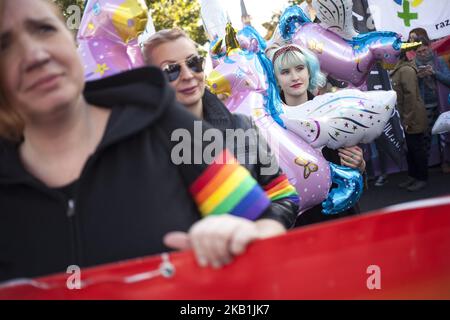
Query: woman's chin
[
  {"x": 49, "y": 105},
  {"x": 189, "y": 100}
]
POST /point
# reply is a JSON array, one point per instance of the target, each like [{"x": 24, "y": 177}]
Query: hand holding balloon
[{"x": 352, "y": 157}]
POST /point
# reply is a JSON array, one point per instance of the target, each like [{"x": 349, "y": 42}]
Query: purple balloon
[
  {"x": 248, "y": 43},
  {"x": 108, "y": 37},
  {"x": 350, "y": 61},
  {"x": 241, "y": 77}
]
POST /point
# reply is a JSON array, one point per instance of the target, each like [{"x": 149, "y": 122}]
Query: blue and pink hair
[{"x": 290, "y": 56}]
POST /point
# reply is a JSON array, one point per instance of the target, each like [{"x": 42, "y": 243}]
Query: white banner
[{"x": 403, "y": 15}]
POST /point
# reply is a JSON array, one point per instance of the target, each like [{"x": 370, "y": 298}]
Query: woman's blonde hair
[{"x": 160, "y": 37}]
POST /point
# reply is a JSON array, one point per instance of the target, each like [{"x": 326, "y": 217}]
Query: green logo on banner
[{"x": 407, "y": 15}]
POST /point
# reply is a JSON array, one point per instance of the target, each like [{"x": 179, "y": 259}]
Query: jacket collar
[
  {"x": 402, "y": 63},
  {"x": 215, "y": 112},
  {"x": 138, "y": 97}
]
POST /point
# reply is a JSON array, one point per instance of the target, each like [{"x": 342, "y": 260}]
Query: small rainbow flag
[
  {"x": 227, "y": 187},
  {"x": 281, "y": 188}
]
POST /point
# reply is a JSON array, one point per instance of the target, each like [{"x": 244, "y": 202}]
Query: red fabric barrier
[
  {"x": 410, "y": 244},
  {"x": 442, "y": 46}
]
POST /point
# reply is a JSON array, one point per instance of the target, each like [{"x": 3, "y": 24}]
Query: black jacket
[{"x": 127, "y": 198}]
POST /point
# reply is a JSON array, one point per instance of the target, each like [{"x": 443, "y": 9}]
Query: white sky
[{"x": 260, "y": 10}]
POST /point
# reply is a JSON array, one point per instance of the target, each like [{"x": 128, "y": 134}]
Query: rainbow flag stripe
[
  {"x": 227, "y": 187},
  {"x": 281, "y": 188}
]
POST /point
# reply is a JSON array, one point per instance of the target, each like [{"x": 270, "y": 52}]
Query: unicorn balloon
[
  {"x": 241, "y": 77},
  {"x": 247, "y": 78},
  {"x": 341, "y": 119},
  {"x": 343, "y": 53}
]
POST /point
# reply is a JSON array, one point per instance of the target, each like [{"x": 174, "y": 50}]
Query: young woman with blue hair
[{"x": 298, "y": 74}]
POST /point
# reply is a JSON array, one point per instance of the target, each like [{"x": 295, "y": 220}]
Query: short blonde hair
[{"x": 160, "y": 37}]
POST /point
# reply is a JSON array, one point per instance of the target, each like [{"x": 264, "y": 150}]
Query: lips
[
  {"x": 189, "y": 90},
  {"x": 45, "y": 83},
  {"x": 297, "y": 85}
]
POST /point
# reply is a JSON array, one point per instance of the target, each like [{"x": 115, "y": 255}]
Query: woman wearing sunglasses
[
  {"x": 176, "y": 54},
  {"x": 178, "y": 57},
  {"x": 86, "y": 174}
]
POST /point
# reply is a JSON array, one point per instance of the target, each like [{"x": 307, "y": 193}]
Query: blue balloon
[
  {"x": 251, "y": 33},
  {"x": 290, "y": 20},
  {"x": 273, "y": 103},
  {"x": 348, "y": 191}
]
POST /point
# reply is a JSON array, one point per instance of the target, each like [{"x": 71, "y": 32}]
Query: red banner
[{"x": 402, "y": 252}]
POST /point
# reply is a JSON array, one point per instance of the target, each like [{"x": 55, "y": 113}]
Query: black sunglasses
[{"x": 173, "y": 70}]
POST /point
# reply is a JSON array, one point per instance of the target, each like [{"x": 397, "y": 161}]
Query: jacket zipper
[
  {"x": 74, "y": 243},
  {"x": 71, "y": 212},
  {"x": 69, "y": 206}
]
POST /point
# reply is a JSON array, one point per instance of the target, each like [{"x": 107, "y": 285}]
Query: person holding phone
[
  {"x": 414, "y": 121},
  {"x": 433, "y": 76}
]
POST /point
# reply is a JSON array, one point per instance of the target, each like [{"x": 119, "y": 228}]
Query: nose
[
  {"x": 186, "y": 72},
  {"x": 295, "y": 75},
  {"x": 34, "y": 54}
]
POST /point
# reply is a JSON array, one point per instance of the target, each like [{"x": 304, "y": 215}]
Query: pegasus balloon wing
[
  {"x": 342, "y": 119},
  {"x": 336, "y": 16}
]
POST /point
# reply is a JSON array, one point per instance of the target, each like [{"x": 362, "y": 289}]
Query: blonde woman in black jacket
[{"x": 176, "y": 54}]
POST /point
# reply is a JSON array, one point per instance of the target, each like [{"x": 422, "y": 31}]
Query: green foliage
[
  {"x": 165, "y": 14},
  {"x": 271, "y": 25},
  {"x": 184, "y": 14},
  {"x": 64, "y": 4}
]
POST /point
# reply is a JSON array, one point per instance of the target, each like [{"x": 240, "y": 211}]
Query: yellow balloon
[
  {"x": 231, "y": 40},
  {"x": 218, "y": 84},
  {"x": 130, "y": 19}
]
